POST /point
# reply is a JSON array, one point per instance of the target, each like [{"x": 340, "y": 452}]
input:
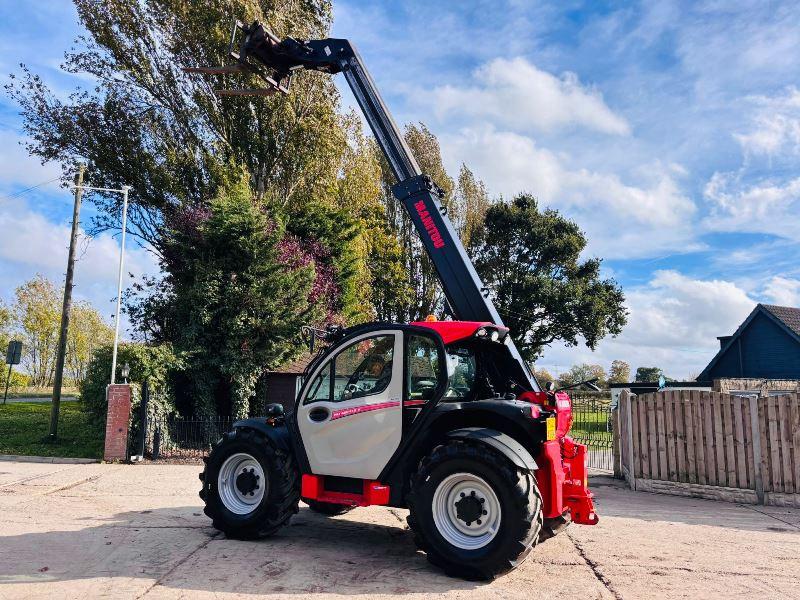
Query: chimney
[{"x": 723, "y": 340}]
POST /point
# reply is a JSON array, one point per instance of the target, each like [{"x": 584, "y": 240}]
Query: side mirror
[{"x": 550, "y": 386}]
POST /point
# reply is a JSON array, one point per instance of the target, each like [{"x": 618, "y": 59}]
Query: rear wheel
[
  {"x": 328, "y": 508},
  {"x": 250, "y": 488},
  {"x": 473, "y": 512}
]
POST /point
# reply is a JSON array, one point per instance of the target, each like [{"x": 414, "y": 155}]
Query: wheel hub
[
  {"x": 470, "y": 508},
  {"x": 466, "y": 511},
  {"x": 241, "y": 483},
  {"x": 247, "y": 482}
]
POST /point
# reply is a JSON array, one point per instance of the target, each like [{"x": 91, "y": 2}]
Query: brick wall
[{"x": 119, "y": 414}]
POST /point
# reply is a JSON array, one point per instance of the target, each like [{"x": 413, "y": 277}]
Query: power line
[{"x": 33, "y": 187}]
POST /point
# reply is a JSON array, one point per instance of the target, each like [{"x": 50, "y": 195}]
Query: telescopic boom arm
[{"x": 465, "y": 293}]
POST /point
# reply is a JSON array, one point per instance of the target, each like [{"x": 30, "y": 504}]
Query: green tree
[
  {"x": 620, "y": 372},
  {"x": 38, "y": 316},
  {"x": 648, "y": 374},
  {"x": 584, "y": 372},
  {"x": 237, "y": 290},
  {"x": 531, "y": 261},
  {"x": 148, "y": 124}
]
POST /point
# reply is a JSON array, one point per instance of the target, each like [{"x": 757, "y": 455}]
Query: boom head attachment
[{"x": 256, "y": 50}]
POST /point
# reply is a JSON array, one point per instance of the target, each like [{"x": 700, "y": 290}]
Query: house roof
[
  {"x": 786, "y": 317},
  {"x": 296, "y": 366}
]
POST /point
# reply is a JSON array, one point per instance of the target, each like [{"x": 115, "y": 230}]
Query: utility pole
[{"x": 66, "y": 306}]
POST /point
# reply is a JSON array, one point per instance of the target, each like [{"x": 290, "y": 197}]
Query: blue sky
[{"x": 669, "y": 131}]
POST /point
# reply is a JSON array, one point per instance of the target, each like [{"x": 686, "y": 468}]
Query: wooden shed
[{"x": 766, "y": 345}]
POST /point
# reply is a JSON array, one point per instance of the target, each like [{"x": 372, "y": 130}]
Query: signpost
[{"x": 13, "y": 357}]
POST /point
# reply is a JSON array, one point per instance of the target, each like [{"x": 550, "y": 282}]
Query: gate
[{"x": 592, "y": 426}]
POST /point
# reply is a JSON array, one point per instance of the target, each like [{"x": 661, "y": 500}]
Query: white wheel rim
[
  {"x": 457, "y": 500},
  {"x": 241, "y": 483}
]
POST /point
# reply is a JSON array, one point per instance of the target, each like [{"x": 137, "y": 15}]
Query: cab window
[
  {"x": 460, "y": 373},
  {"x": 320, "y": 388},
  {"x": 364, "y": 368},
  {"x": 422, "y": 367}
]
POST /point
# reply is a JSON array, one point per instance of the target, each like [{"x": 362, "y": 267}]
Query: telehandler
[{"x": 443, "y": 418}]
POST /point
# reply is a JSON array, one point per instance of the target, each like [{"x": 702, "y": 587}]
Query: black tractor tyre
[
  {"x": 281, "y": 497},
  {"x": 330, "y": 509},
  {"x": 519, "y": 500}
]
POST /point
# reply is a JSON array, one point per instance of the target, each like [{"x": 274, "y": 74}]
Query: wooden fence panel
[
  {"x": 785, "y": 442},
  {"x": 688, "y": 427},
  {"x": 652, "y": 428},
  {"x": 719, "y": 438},
  {"x": 738, "y": 439},
  {"x": 795, "y": 420},
  {"x": 644, "y": 440},
  {"x": 730, "y": 452},
  {"x": 680, "y": 437},
  {"x": 713, "y": 439},
  {"x": 669, "y": 433},
  {"x": 763, "y": 428},
  {"x": 776, "y": 478},
  {"x": 749, "y": 461},
  {"x": 697, "y": 420}
]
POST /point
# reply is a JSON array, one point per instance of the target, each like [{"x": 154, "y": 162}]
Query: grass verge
[{"x": 24, "y": 428}]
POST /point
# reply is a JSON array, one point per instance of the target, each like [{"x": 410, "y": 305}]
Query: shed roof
[
  {"x": 296, "y": 366},
  {"x": 787, "y": 317}
]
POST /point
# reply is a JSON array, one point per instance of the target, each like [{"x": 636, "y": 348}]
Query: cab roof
[{"x": 454, "y": 331}]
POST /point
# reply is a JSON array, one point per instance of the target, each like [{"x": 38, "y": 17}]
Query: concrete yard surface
[{"x": 122, "y": 531}]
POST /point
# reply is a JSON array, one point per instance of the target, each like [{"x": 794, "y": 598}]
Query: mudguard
[
  {"x": 502, "y": 442},
  {"x": 278, "y": 434}
]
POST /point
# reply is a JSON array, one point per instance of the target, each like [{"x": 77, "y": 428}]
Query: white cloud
[
  {"x": 18, "y": 168},
  {"x": 515, "y": 93},
  {"x": 673, "y": 323},
  {"x": 766, "y": 207},
  {"x": 776, "y": 125},
  {"x": 783, "y": 291},
  {"x": 32, "y": 244},
  {"x": 622, "y": 220}
]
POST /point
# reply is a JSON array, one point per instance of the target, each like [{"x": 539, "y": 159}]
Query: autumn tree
[
  {"x": 6, "y": 322},
  {"x": 470, "y": 202},
  {"x": 424, "y": 294},
  {"x": 620, "y": 372},
  {"x": 543, "y": 376},
  {"x": 584, "y": 372},
  {"x": 531, "y": 260},
  {"x": 37, "y": 316},
  {"x": 87, "y": 332},
  {"x": 166, "y": 133}
]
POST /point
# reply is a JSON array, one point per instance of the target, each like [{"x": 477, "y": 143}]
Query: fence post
[
  {"x": 755, "y": 425},
  {"x": 616, "y": 440},
  {"x": 143, "y": 417},
  {"x": 629, "y": 440}
]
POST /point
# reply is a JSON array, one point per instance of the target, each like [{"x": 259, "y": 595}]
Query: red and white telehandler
[{"x": 443, "y": 418}]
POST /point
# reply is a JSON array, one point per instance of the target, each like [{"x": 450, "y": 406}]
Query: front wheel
[
  {"x": 473, "y": 512},
  {"x": 250, "y": 488}
]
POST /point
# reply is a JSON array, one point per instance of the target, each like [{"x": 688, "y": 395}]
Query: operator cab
[{"x": 366, "y": 389}]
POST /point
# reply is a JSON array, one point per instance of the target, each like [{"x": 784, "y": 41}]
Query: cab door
[{"x": 351, "y": 415}]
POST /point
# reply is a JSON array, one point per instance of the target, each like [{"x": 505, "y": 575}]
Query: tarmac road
[{"x": 90, "y": 530}]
